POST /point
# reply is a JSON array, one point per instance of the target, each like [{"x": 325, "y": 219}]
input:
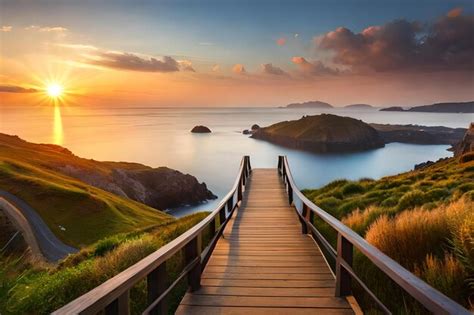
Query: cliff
[
  {"x": 322, "y": 133},
  {"x": 467, "y": 143}
]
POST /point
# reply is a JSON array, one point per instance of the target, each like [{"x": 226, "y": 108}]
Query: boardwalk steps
[{"x": 264, "y": 264}]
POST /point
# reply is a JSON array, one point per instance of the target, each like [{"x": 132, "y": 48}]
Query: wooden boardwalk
[{"x": 264, "y": 264}]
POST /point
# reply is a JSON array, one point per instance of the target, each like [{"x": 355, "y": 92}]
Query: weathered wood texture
[{"x": 264, "y": 264}]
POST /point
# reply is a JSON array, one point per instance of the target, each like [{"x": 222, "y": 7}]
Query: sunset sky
[{"x": 237, "y": 53}]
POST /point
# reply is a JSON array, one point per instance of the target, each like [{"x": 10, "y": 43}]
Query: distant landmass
[
  {"x": 460, "y": 107},
  {"x": 330, "y": 133},
  {"x": 322, "y": 133},
  {"x": 359, "y": 106},
  {"x": 420, "y": 134},
  {"x": 310, "y": 104}
]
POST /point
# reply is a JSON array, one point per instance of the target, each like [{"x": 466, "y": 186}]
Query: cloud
[
  {"x": 216, "y": 68},
  {"x": 129, "y": 61},
  {"x": 281, "y": 41},
  {"x": 186, "y": 65},
  {"x": 6, "y": 28},
  {"x": 16, "y": 89},
  {"x": 400, "y": 45},
  {"x": 312, "y": 68},
  {"x": 268, "y": 68},
  {"x": 78, "y": 46},
  {"x": 58, "y": 29},
  {"x": 239, "y": 69},
  {"x": 454, "y": 12}
]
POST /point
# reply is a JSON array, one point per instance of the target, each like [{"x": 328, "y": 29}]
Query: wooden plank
[
  {"x": 263, "y": 264},
  {"x": 209, "y": 310},
  {"x": 268, "y": 276},
  {"x": 237, "y": 269},
  {"x": 269, "y": 283},
  {"x": 243, "y": 301},
  {"x": 236, "y": 291}
]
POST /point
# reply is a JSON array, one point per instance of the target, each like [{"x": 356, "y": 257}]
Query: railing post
[
  {"x": 222, "y": 215},
  {"x": 304, "y": 214},
  {"x": 120, "y": 306},
  {"x": 239, "y": 189},
  {"x": 290, "y": 193},
  {"x": 343, "y": 278},
  {"x": 230, "y": 204},
  {"x": 280, "y": 162},
  {"x": 194, "y": 275},
  {"x": 212, "y": 226},
  {"x": 249, "y": 167},
  {"x": 156, "y": 285}
]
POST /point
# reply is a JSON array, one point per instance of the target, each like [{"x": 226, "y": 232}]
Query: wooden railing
[
  {"x": 113, "y": 296},
  {"x": 347, "y": 239}
]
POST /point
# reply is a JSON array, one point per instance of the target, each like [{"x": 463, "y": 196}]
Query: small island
[
  {"x": 201, "y": 129},
  {"x": 359, "y": 106},
  {"x": 310, "y": 104},
  {"x": 323, "y": 134},
  {"x": 452, "y": 107}
]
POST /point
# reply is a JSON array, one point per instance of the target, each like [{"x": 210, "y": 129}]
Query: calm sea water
[{"x": 161, "y": 137}]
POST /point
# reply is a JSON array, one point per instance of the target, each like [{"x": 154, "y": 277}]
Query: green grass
[
  {"x": 87, "y": 213},
  {"x": 423, "y": 219},
  {"x": 31, "y": 289}
]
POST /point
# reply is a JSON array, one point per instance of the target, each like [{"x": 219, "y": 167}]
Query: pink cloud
[
  {"x": 455, "y": 12},
  {"x": 281, "y": 41}
]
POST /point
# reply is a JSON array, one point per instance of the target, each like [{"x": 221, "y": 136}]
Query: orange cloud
[
  {"x": 239, "y": 69},
  {"x": 6, "y": 28},
  {"x": 455, "y": 12},
  {"x": 312, "y": 68},
  {"x": 281, "y": 41}
]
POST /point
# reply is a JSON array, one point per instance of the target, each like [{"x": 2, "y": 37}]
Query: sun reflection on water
[{"x": 58, "y": 134}]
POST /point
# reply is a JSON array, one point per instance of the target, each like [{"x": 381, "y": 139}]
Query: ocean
[{"x": 161, "y": 137}]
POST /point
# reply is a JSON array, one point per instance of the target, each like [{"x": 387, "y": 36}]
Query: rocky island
[
  {"x": 330, "y": 133},
  {"x": 200, "y": 129},
  {"x": 359, "y": 106},
  {"x": 460, "y": 107},
  {"x": 310, "y": 104},
  {"x": 322, "y": 133}
]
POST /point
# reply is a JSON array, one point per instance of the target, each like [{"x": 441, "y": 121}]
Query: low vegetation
[
  {"x": 26, "y": 288},
  {"x": 423, "y": 219}
]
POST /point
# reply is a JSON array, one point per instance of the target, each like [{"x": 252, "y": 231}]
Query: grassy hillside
[
  {"x": 424, "y": 219},
  {"x": 31, "y": 289},
  {"x": 86, "y": 213}
]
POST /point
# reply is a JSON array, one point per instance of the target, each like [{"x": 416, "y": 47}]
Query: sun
[{"x": 54, "y": 90}]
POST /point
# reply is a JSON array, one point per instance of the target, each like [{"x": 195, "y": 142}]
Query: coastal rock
[
  {"x": 246, "y": 132},
  {"x": 322, "y": 133},
  {"x": 467, "y": 143},
  {"x": 255, "y": 127},
  {"x": 200, "y": 129},
  {"x": 419, "y": 134},
  {"x": 359, "y": 106}
]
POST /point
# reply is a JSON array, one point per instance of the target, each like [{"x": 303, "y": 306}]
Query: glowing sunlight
[{"x": 57, "y": 126}]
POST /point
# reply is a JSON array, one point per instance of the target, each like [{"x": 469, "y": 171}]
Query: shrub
[
  {"x": 390, "y": 201},
  {"x": 409, "y": 236},
  {"x": 329, "y": 204},
  {"x": 446, "y": 274},
  {"x": 359, "y": 220},
  {"x": 352, "y": 188},
  {"x": 411, "y": 199},
  {"x": 436, "y": 194}
]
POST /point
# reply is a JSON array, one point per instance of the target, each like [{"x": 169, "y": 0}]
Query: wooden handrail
[
  {"x": 113, "y": 295},
  {"x": 429, "y": 297}
]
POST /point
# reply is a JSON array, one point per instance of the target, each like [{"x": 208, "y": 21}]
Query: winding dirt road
[{"x": 36, "y": 232}]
